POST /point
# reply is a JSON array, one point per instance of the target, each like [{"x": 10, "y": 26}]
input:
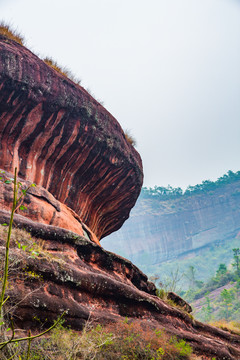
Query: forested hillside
[{"x": 170, "y": 229}]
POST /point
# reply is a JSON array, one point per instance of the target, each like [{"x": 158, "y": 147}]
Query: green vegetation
[
  {"x": 205, "y": 261},
  {"x": 166, "y": 193},
  {"x": 222, "y": 278},
  {"x": 236, "y": 259},
  {"x": 223, "y": 304},
  {"x": 125, "y": 340},
  {"x": 10, "y": 33},
  {"x": 217, "y": 298}
]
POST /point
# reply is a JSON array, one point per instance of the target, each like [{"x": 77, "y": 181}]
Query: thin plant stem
[
  {"x": 35, "y": 336},
  {"x": 5, "y": 300},
  {"x": 12, "y": 337},
  {"x": 29, "y": 345},
  {"x": 29, "y": 338},
  {"x": 21, "y": 196},
  {"x": 14, "y": 355},
  {"x": 5, "y": 275}
]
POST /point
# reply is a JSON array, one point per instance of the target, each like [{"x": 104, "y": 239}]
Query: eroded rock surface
[
  {"x": 74, "y": 274},
  {"x": 41, "y": 207},
  {"x": 63, "y": 140}
]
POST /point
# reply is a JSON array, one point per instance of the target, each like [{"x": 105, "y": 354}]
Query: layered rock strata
[
  {"x": 63, "y": 140},
  {"x": 41, "y": 207},
  {"x": 75, "y": 275}
]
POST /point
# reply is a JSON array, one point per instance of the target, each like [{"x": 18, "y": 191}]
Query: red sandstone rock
[
  {"x": 179, "y": 301},
  {"x": 41, "y": 207},
  {"x": 62, "y": 139},
  {"x": 89, "y": 282}
]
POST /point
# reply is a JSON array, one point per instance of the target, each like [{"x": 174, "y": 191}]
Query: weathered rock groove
[{"x": 62, "y": 139}]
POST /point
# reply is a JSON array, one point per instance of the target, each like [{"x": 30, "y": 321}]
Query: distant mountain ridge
[{"x": 167, "y": 223}]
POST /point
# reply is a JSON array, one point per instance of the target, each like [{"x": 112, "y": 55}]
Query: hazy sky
[{"x": 168, "y": 70}]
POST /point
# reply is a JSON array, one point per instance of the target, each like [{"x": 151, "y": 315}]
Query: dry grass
[
  {"x": 135, "y": 340},
  {"x": 130, "y": 139},
  {"x": 232, "y": 326},
  {"x": 10, "y": 33},
  {"x": 61, "y": 70}
]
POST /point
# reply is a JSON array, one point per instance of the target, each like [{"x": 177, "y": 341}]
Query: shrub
[
  {"x": 125, "y": 340},
  {"x": 184, "y": 348},
  {"x": 161, "y": 294},
  {"x": 10, "y": 33}
]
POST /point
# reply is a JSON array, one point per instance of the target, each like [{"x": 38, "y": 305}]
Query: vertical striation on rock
[{"x": 63, "y": 140}]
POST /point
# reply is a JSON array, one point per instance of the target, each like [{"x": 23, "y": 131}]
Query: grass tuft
[
  {"x": 130, "y": 139},
  {"x": 11, "y": 33},
  {"x": 62, "y": 70}
]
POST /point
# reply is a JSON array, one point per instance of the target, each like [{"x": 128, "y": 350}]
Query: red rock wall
[{"x": 62, "y": 139}]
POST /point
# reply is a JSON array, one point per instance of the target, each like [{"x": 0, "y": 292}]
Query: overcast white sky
[{"x": 168, "y": 70}]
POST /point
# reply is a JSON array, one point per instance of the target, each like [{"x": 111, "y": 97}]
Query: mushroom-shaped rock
[{"x": 59, "y": 137}]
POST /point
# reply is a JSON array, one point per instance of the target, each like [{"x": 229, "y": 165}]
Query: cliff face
[
  {"x": 63, "y": 140},
  {"x": 161, "y": 230}
]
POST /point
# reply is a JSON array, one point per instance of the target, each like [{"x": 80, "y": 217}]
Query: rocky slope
[
  {"x": 88, "y": 178},
  {"x": 159, "y": 230},
  {"x": 75, "y": 275}
]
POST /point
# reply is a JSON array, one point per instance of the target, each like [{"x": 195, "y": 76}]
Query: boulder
[{"x": 59, "y": 137}]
